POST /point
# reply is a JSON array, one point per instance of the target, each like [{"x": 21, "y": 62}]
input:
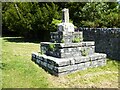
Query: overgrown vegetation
[
  {"x": 19, "y": 71},
  {"x": 84, "y": 52},
  {"x": 51, "y": 47},
  {"x": 62, "y": 41},
  {"x": 76, "y": 40}
]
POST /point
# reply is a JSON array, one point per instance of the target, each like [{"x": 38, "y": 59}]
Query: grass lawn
[{"x": 18, "y": 71}]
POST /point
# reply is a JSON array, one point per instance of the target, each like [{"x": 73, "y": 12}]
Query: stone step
[
  {"x": 71, "y": 52},
  {"x": 69, "y": 37},
  {"x": 60, "y": 50},
  {"x": 68, "y": 45},
  {"x": 59, "y": 66},
  {"x": 67, "y": 61}
]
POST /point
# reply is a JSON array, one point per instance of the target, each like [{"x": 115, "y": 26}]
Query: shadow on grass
[
  {"x": 21, "y": 40},
  {"x": 2, "y": 65}
]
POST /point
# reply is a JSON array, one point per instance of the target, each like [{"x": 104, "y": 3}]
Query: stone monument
[
  {"x": 67, "y": 52},
  {"x": 65, "y": 25}
]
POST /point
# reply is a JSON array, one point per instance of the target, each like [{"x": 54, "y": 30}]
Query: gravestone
[{"x": 67, "y": 52}]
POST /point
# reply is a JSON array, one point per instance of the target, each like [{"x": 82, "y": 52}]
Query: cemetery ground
[{"x": 19, "y": 71}]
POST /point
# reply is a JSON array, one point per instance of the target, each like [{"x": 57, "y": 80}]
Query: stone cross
[
  {"x": 65, "y": 26},
  {"x": 65, "y": 15}
]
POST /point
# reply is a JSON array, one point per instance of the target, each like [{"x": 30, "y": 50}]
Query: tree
[
  {"x": 36, "y": 20},
  {"x": 29, "y": 19}
]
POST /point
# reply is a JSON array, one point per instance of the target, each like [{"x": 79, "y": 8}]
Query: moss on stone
[
  {"x": 51, "y": 47},
  {"x": 62, "y": 41},
  {"x": 76, "y": 40},
  {"x": 84, "y": 52}
]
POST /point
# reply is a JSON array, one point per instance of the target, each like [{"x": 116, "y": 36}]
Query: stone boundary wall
[{"x": 107, "y": 40}]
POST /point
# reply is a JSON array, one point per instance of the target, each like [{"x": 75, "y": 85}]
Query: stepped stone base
[
  {"x": 65, "y": 50},
  {"x": 61, "y": 66}
]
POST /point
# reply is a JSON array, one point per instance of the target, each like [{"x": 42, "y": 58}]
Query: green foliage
[
  {"x": 28, "y": 18},
  {"x": 100, "y": 15},
  {"x": 84, "y": 52},
  {"x": 36, "y": 19},
  {"x": 54, "y": 24},
  {"x": 51, "y": 47},
  {"x": 62, "y": 41},
  {"x": 41, "y": 53},
  {"x": 76, "y": 40}
]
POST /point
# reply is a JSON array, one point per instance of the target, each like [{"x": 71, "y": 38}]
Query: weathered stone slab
[
  {"x": 60, "y": 37},
  {"x": 81, "y": 66},
  {"x": 55, "y": 61},
  {"x": 87, "y": 64},
  {"x": 88, "y": 43},
  {"x": 65, "y": 45},
  {"x": 65, "y": 68},
  {"x": 59, "y": 66},
  {"x": 59, "y": 50},
  {"x": 67, "y": 61},
  {"x": 102, "y": 62},
  {"x": 97, "y": 56},
  {"x": 94, "y": 63},
  {"x": 50, "y": 66},
  {"x": 81, "y": 59}
]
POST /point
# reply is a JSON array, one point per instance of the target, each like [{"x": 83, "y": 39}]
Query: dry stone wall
[{"x": 107, "y": 40}]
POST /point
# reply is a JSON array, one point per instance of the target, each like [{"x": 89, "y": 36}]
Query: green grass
[{"x": 18, "y": 71}]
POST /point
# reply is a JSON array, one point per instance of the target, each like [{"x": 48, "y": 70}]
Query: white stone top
[
  {"x": 65, "y": 26},
  {"x": 65, "y": 15}
]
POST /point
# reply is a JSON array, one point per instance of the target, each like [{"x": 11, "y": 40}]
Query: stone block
[
  {"x": 66, "y": 27},
  {"x": 94, "y": 56},
  {"x": 50, "y": 66},
  {"x": 94, "y": 63},
  {"x": 81, "y": 59},
  {"x": 103, "y": 62},
  {"x": 100, "y": 62},
  {"x": 72, "y": 61},
  {"x": 38, "y": 61},
  {"x": 88, "y": 43},
  {"x": 61, "y": 37},
  {"x": 65, "y": 68},
  {"x": 81, "y": 66},
  {"x": 87, "y": 64},
  {"x": 34, "y": 56}
]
